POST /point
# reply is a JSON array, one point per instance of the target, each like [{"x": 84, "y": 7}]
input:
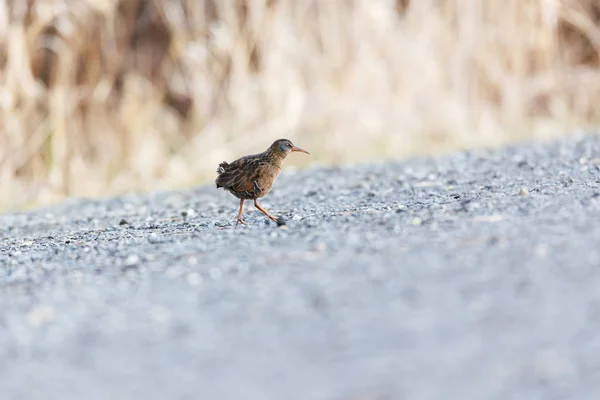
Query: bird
[{"x": 251, "y": 177}]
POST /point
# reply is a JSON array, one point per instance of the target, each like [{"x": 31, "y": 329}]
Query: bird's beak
[{"x": 300, "y": 150}]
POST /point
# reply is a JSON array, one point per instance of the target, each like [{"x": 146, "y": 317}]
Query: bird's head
[{"x": 284, "y": 147}]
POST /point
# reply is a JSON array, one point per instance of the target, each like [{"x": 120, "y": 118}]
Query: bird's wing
[{"x": 239, "y": 175}]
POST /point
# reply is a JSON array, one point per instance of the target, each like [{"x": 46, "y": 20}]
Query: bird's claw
[{"x": 240, "y": 221}]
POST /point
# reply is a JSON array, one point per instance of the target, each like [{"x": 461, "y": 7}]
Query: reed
[{"x": 99, "y": 97}]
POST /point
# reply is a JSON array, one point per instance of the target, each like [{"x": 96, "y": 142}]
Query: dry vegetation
[{"x": 106, "y": 96}]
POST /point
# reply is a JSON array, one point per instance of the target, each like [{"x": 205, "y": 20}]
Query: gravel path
[{"x": 471, "y": 276}]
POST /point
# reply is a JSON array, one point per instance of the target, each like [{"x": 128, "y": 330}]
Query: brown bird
[{"x": 252, "y": 177}]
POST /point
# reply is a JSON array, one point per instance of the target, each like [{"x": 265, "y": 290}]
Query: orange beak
[{"x": 300, "y": 150}]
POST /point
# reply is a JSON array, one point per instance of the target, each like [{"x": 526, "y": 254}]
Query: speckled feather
[{"x": 250, "y": 177}]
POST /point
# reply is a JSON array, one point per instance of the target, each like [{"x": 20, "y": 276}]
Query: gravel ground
[{"x": 470, "y": 276}]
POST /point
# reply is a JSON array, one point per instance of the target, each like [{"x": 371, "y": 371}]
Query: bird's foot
[
  {"x": 281, "y": 221},
  {"x": 240, "y": 221}
]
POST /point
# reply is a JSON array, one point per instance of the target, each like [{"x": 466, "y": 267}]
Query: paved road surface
[{"x": 471, "y": 276}]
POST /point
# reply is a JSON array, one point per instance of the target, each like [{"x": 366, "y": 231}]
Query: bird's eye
[{"x": 286, "y": 146}]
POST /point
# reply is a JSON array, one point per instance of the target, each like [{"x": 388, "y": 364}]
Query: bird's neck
[{"x": 274, "y": 157}]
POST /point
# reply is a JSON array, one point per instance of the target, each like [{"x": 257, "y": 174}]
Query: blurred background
[{"x": 99, "y": 97}]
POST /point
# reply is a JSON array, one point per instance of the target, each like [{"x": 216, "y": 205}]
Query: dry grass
[{"x": 106, "y": 96}]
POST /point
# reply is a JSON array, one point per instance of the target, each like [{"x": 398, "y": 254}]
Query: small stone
[
  {"x": 193, "y": 278},
  {"x": 417, "y": 221},
  {"x": 123, "y": 221},
  {"x": 541, "y": 250},
  {"x": 523, "y": 192},
  {"x": 133, "y": 259},
  {"x": 215, "y": 274},
  {"x": 173, "y": 272},
  {"x": 319, "y": 246},
  {"x": 41, "y": 315},
  {"x": 549, "y": 365},
  {"x": 160, "y": 314}
]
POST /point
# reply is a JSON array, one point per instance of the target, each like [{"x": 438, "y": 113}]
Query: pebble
[
  {"x": 41, "y": 315},
  {"x": 132, "y": 259},
  {"x": 417, "y": 221},
  {"x": 189, "y": 213},
  {"x": 549, "y": 365},
  {"x": 215, "y": 274},
  {"x": 154, "y": 238},
  {"x": 194, "y": 278}
]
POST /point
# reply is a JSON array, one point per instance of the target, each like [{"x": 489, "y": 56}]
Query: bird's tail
[
  {"x": 222, "y": 167},
  {"x": 220, "y": 170}
]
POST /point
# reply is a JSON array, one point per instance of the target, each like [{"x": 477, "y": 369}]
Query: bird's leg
[
  {"x": 268, "y": 214},
  {"x": 239, "y": 217}
]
